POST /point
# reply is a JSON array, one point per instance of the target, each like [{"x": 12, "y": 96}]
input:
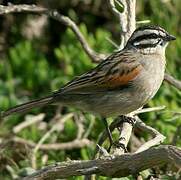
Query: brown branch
[
  {"x": 59, "y": 126},
  {"x": 127, "y": 19},
  {"x": 158, "y": 138},
  {"x": 79, "y": 119},
  {"x": 77, "y": 143},
  {"x": 71, "y": 24},
  {"x": 21, "y": 8},
  {"x": 119, "y": 166},
  {"x": 131, "y": 22},
  {"x": 171, "y": 80},
  {"x": 125, "y": 131},
  {"x": 29, "y": 120}
]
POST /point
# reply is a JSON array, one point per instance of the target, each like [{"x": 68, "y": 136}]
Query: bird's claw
[
  {"x": 130, "y": 120},
  {"x": 120, "y": 145}
]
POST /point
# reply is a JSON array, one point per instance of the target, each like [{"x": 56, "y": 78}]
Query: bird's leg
[
  {"x": 108, "y": 133},
  {"x": 130, "y": 120},
  {"x": 119, "y": 144}
]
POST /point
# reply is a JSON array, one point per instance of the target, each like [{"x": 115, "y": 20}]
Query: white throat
[{"x": 154, "y": 50}]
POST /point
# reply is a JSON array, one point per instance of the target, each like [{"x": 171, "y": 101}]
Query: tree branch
[
  {"x": 11, "y": 8},
  {"x": 119, "y": 166},
  {"x": 71, "y": 24},
  {"x": 127, "y": 18},
  {"x": 158, "y": 138},
  {"x": 57, "y": 126},
  {"x": 171, "y": 80},
  {"x": 29, "y": 120},
  {"x": 77, "y": 143}
]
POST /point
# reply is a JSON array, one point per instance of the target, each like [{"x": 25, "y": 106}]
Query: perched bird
[{"x": 120, "y": 84}]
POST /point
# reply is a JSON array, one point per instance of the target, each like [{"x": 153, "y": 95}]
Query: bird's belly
[
  {"x": 123, "y": 102},
  {"x": 120, "y": 103},
  {"x": 111, "y": 103}
]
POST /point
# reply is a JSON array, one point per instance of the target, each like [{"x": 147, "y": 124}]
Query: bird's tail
[{"x": 27, "y": 106}]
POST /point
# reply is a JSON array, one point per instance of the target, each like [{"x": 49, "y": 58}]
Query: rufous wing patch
[{"x": 116, "y": 80}]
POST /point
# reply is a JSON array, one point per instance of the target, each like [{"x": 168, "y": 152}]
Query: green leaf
[{"x": 119, "y": 6}]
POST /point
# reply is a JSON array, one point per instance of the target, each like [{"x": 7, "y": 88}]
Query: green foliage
[{"x": 119, "y": 6}]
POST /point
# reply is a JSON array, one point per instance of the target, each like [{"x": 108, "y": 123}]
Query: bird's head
[{"x": 149, "y": 39}]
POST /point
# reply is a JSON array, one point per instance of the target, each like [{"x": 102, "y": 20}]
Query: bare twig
[
  {"x": 11, "y": 172},
  {"x": 158, "y": 108},
  {"x": 28, "y": 122},
  {"x": 77, "y": 143},
  {"x": 171, "y": 80},
  {"x": 11, "y": 8},
  {"x": 68, "y": 22},
  {"x": 79, "y": 119},
  {"x": 89, "y": 129},
  {"x": 58, "y": 126},
  {"x": 126, "y": 18},
  {"x": 102, "y": 151},
  {"x": 112, "y": 42},
  {"x": 119, "y": 166},
  {"x": 131, "y": 18},
  {"x": 125, "y": 131},
  {"x": 158, "y": 137}
]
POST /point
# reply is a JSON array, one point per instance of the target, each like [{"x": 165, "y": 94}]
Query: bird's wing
[{"x": 115, "y": 72}]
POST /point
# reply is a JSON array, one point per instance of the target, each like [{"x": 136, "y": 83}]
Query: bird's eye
[
  {"x": 154, "y": 36},
  {"x": 161, "y": 42}
]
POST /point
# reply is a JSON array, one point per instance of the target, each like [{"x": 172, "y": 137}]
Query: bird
[{"x": 120, "y": 84}]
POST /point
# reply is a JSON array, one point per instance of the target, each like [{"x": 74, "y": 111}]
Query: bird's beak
[{"x": 170, "y": 37}]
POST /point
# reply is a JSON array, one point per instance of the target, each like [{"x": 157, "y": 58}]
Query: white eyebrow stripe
[
  {"x": 162, "y": 33},
  {"x": 146, "y": 41}
]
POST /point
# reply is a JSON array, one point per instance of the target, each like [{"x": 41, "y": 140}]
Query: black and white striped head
[{"x": 149, "y": 39}]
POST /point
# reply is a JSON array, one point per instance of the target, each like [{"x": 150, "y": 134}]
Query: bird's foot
[
  {"x": 117, "y": 145},
  {"x": 120, "y": 146},
  {"x": 127, "y": 119}
]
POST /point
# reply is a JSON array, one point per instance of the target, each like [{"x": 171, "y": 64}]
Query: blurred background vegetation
[{"x": 38, "y": 55}]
